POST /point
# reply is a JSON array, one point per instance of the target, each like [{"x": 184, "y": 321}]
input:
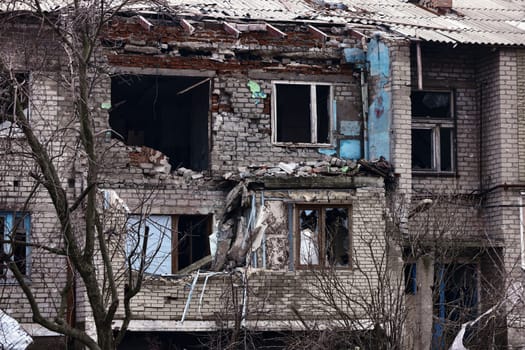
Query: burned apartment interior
[{"x": 166, "y": 113}]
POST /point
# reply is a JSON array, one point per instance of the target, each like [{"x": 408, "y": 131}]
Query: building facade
[{"x": 349, "y": 170}]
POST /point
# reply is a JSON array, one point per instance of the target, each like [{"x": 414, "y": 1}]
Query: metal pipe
[
  {"x": 364, "y": 100},
  {"x": 419, "y": 65},
  {"x": 188, "y": 301},
  {"x": 504, "y": 185}
]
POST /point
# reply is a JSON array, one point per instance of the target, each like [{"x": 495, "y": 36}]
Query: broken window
[
  {"x": 432, "y": 131},
  {"x": 14, "y": 232},
  {"x": 431, "y": 104},
  {"x": 174, "y": 242},
  {"x": 166, "y": 113},
  {"x": 302, "y": 113},
  {"x": 323, "y": 236}
]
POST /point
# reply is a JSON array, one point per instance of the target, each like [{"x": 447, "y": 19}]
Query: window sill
[
  {"x": 297, "y": 145},
  {"x": 430, "y": 173}
]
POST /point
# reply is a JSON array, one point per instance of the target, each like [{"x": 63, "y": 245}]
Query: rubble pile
[
  {"x": 330, "y": 167},
  {"x": 155, "y": 162}
]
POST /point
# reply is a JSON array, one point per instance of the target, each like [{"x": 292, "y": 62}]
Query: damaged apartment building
[{"x": 352, "y": 170}]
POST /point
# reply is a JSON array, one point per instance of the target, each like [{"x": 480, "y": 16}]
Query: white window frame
[
  {"x": 436, "y": 124},
  {"x": 313, "y": 113},
  {"x": 9, "y": 220},
  {"x": 436, "y": 147}
]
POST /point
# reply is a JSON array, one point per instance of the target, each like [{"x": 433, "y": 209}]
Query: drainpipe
[
  {"x": 419, "y": 65},
  {"x": 364, "y": 99},
  {"x": 480, "y": 146}
]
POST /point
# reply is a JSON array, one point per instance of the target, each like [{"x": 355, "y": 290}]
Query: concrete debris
[
  {"x": 288, "y": 167},
  {"x": 332, "y": 166},
  {"x": 113, "y": 201},
  {"x": 12, "y": 335},
  {"x": 153, "y": 162}
]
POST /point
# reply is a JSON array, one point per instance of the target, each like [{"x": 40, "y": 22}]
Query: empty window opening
[
  {"x": 193, "y": 244},
  {"x": 323, "y": 236},
  {"x": 167, "y": 113},
  {"x": 174, "y": 242},
  {"x": 302, "y": 113}
]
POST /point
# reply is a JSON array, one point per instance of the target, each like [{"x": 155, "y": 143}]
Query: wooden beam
[
  {"x": 144, "y": 23},
  {"x": 230, "y": 28},
  {"x": 318, "y": 33},
  {"x": 187, "y": 26},
  {"x": 357, "y": 34},
  {"x": 274, "y": 31}
]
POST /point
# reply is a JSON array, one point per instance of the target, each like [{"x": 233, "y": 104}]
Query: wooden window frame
[
  {"x": 174, "y": 236},
  {"x": 322, "y": 234}
]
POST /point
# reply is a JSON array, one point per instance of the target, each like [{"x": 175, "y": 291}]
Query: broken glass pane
[
  {"x": 309, "y": 248},
  {"x": 337, "y": 237}
]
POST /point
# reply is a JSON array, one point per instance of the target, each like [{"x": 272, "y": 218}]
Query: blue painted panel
[
  {"x": 354, "y": 55},
  {"x": 350, "y": 149},
  {"x": 379, "y": 111},
  {"x": 350, "y": 127}
]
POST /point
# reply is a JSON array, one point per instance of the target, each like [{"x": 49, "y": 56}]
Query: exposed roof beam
[
  {"x": 187, "y": 26},
  {"x": 357, "y": 34},
  {"x": 318, "y": 33},
  {"x": 230, "y": 28},
  {"x": 144, "y": 22},
  {"x": 274, "y": 31}
]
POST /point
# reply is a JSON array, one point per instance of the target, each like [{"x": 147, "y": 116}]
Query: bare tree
[{"x": 63, "y": 161}]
